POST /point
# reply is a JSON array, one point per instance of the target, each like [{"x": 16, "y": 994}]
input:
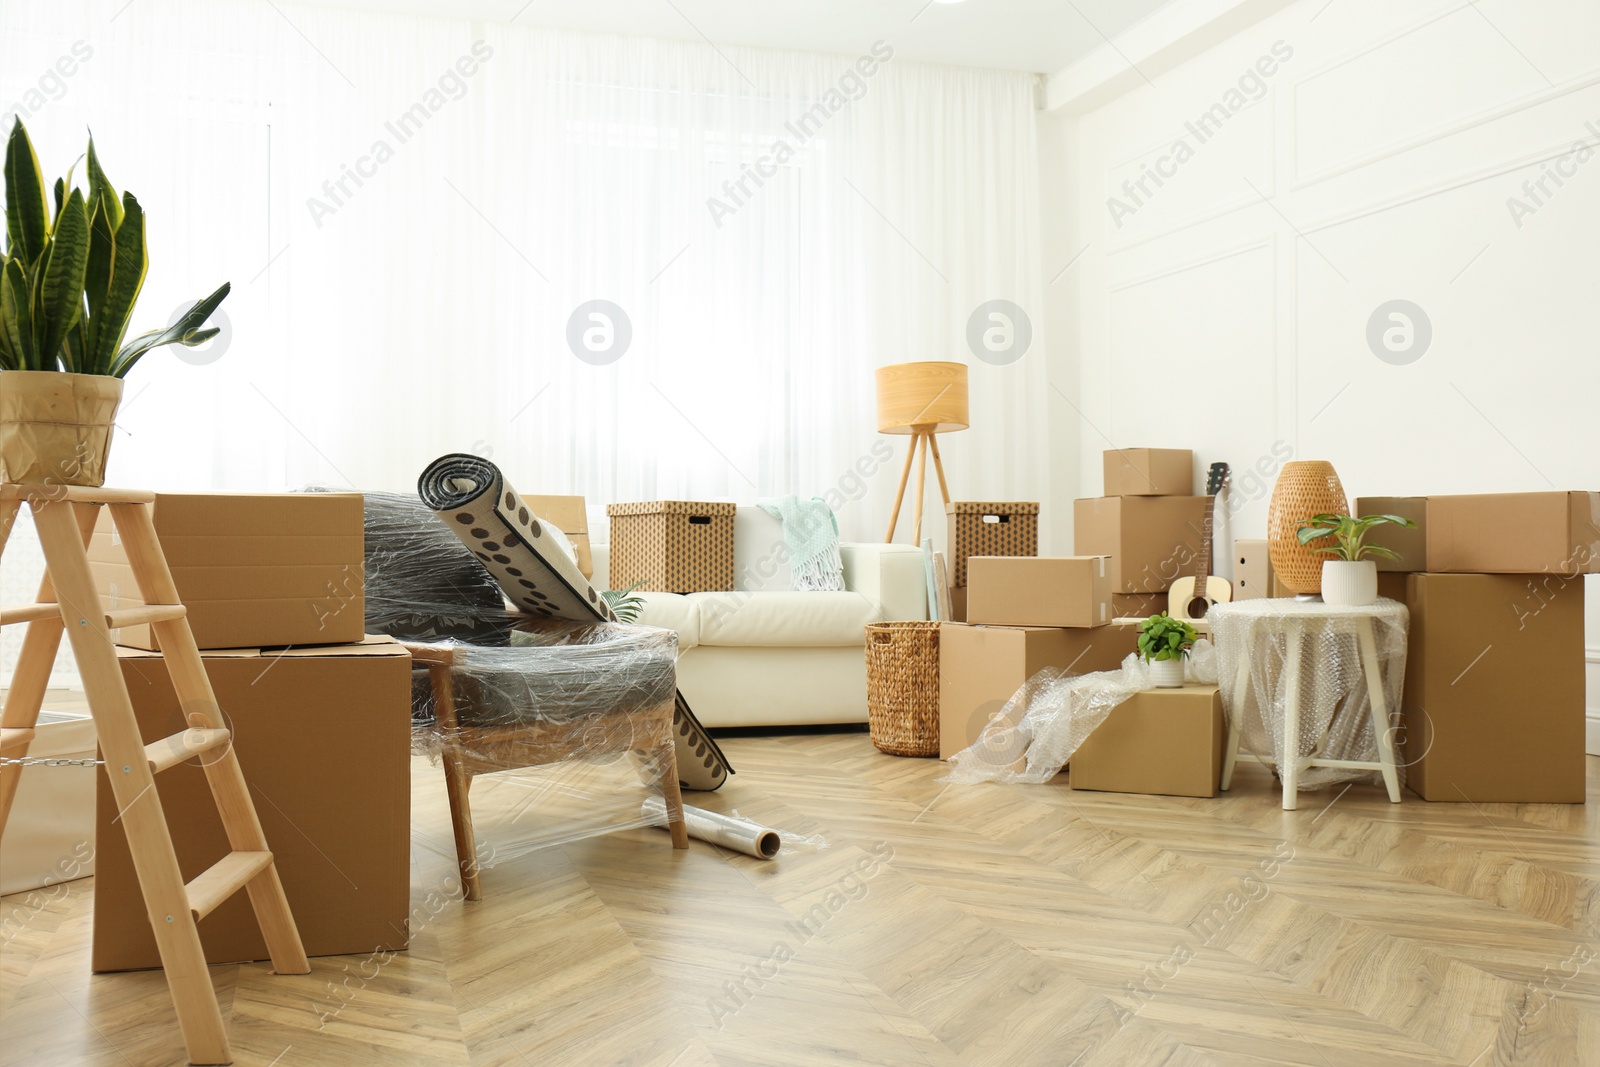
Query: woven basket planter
[
  {"x": 903, "y": 687},
  {"x": 1305, "y": 488}
]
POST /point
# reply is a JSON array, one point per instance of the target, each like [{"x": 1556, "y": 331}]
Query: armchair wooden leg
[
  {"x": 457, "y": 781},
  {"x": 671, "y": 794}
]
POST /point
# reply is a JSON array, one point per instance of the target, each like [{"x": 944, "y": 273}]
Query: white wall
[{"x": 1229, "y": 309}]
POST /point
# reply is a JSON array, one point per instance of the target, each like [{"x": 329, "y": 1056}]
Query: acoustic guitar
[{"x": 1192, "y": 595}]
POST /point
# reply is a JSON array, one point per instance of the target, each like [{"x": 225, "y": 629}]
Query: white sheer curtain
[{"x": 425, "y": 309}]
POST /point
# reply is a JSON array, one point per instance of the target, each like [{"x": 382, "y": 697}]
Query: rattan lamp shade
[
  {"x": 931, "y": 397},
  {"x": 1305, "y": 488}
]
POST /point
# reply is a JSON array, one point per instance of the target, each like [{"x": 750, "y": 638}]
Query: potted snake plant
[
  {"x": 1350, "y": 574},
  {"x": 69, "y": 280}
]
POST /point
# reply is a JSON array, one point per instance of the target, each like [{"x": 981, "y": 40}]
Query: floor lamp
[{"x": 921, "y": 399}]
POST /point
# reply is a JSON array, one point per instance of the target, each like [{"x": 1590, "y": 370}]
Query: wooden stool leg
[
  {"x": 1241, "y": 700},
  {"x": 900, "y": 493},
  {"x": 1381, "y": 726},
  {"x": 133, "y": 787},
  {"x": 457, "y": 781},
  {"x": 1289, "y": 770}
]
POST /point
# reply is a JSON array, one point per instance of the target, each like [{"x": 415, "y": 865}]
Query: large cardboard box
[
  {"x": 254, "y": 569},
  {"x": 324, "y": 737},
  {"x": 1252, "y": 570},
  {"x": 1151, "y": 540},
  {"x": 50, "y": 832},
  {"x": 1412, "y": 545},
  {"x": 571, "y": 517},
  {"x": 1039, "y": 591},
  {"x": 1165, "y": 741},
  {"x": 1514, "y": 533},
  {"x": 981, "y": 667},
  {"x": 989, "y": 528},
  {"x": 672, "y": 546},
  {"x": 1494, "y": 698},
  {"x": 1138, "y": 605},
  {"x": 1149, "y": 471}
]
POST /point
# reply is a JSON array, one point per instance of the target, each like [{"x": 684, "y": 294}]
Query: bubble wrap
[
  {"x": 1044, "y": 722},
  {"x": 1254, "y": 639}
]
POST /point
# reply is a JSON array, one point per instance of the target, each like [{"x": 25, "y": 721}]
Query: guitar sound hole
[{"x": 1198, "y": 607}]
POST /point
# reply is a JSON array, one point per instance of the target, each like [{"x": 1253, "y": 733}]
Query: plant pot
[
  {"x": 1166, "y": 673},
  {"x": 1348, "y": 584},
  {"x": 55, "y": 428}
]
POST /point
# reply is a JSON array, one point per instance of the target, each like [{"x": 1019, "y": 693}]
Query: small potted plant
[
  {"x": 1350, "y": 576},
  {"x": 69, "y": 279},
  {"x": 1164, "y": 643}
]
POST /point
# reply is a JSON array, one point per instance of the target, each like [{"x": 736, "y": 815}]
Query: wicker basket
[{"x": 903, "y": 687}]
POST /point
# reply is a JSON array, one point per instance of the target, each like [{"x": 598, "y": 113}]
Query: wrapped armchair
[{"x": 489, "y": 699}]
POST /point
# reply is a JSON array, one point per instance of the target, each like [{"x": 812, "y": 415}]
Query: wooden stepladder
[{"x": 65, "y": 517}]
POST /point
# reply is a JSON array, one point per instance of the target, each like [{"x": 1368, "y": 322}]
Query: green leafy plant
[
  {"x": 70, "y": 278},
  {"x": 624, "y": 604},
  {"x": 1350, "y": 535},
  {"x": 1162, "y": 637}
]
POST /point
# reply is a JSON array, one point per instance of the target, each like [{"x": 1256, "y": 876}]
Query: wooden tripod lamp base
[{"x": 922, "y": 400}]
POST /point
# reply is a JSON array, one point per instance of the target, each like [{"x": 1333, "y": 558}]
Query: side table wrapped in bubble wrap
[{"x": 1311, "y": 689}]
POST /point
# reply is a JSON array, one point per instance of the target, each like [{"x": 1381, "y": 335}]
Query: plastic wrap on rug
[
  {"x": 1253, "y": 640},
  {"x": 473, "y": 500},
  {"x": 1035, "y": 734}
]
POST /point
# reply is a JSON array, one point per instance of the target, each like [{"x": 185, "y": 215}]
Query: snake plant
[{"x": 70, "y": 278}]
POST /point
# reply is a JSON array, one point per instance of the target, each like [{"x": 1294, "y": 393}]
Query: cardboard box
[
  {"x": 1163, "y": 741},
  {"x": 1392, "y": 585},
  {"x": 569, "y": 515},
  {"x": 1137, "y": 605},
  {"x": 324, "y": 737},
  {"x": 1151, "y": 540},
  {"x": 1039, "y": 591},
  {"x": 1411, "y": 544},
  {"x": 958, "y": 604},
  {"x": 982, "y": 667},
  {"x": 1494, "y": 698},
  {"x": 254, "y": 569},
  {"x": 1252, "y": 570},
  {"x": 50, "y": 833},
  {"x": 672, "y": 546},
  {"x": 988, "y": 528},
  {"x": 1149, "y": 472},
  {"x": 1514, "y": 533}
]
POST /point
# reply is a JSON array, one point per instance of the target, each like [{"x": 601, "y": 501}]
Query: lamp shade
[
  {"x": 1305, "y": 488},
  {"x": 930, "y": 397}
]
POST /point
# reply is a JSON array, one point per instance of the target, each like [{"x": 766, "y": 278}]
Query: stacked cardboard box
[
  {"x": 1148, "y": 522},
  {"x": 274, "y": 586},
  {"x": 986, "y": 528}
]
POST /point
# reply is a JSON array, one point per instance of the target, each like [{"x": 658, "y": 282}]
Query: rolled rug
[
  {"x": 472, "y": 498},
  {"x": 713, "y": 827}
]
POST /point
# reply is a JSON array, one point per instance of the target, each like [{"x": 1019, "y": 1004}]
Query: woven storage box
[
  {"x": 903, "y": 687},
  {"x": 672, "y": 546},
  {"x": 985, "y": 528}
]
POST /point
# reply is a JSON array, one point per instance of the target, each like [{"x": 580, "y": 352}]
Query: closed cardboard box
[
  {"x": 1494, "y": 698},
  {"x": 1412, "y": 545},
  {"x": 1151, "y": 539},
  {"x": 1138, "y": 605},
  {"x": 1149, "y": 471},
  {"x": 569, "y": 515},
  {"x": 1162, "y": 741},
  {"x": 1039, "y": 591},
  {"x": 1252, "y": 570},
  {"x": 254, "y": 570},
  {"x": 958, "y": 604},
  {"x": 672, "y": 546},
  {"x": 989, "y": 528},
  {"x": 1514, "y": 533},
  {"x": 324, "y": 738},
  {"x": 982, "y": 667}
]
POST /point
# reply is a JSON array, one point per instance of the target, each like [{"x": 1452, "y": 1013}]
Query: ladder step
[
  {"x": 29, "y": 613},
  {"x": 15, "y": 738},
  {"x": 187, "y": 744},
  {"x": 147, "y": 614},
  {"x": 223, "y": 879}
]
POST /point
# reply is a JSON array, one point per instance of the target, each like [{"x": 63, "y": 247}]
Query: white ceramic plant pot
[
  {"x": 1349, "y": 584},
  {"x": 1167, "y": 673}
]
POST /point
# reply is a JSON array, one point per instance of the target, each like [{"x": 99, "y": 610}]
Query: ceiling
[{"x": 1032, "y": 35}]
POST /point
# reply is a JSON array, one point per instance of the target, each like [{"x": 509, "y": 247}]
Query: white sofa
[{"x": 764, "y": 655}]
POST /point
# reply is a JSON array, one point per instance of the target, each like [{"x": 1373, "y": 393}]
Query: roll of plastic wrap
[{"x": 741, "y": 835}]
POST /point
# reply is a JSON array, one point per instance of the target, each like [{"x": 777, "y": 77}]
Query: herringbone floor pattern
[{"x": 939, "y": 926}]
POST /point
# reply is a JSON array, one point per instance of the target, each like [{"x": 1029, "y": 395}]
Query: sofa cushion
[
  {"x": 671, "y": 611},
  {"x": 782, "y": 619}
]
